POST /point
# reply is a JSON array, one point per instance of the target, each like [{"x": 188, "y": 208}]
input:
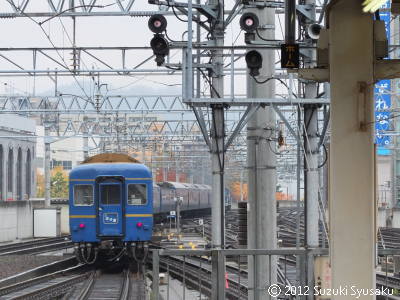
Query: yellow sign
[{"x": 372, "y": 5}]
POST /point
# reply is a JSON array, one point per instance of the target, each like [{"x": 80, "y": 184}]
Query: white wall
[
  {"x": 382, "y": 215},
  {"x": 46, "y": 222},
  {"x": 68, "y": 149},
  {"x": 396, "y": 218},
  {"x": 15, "y": 220},
  {"x": 64, "y": 222},
  {"x": 17, "y": 123},
  {"x": 384, "y": 176}
]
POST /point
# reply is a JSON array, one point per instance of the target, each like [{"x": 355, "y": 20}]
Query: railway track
[
  {"x": 47, "y": 286},
  {"x": 102, "y": 285},
  {"x": 80, "y": 282},
  {"x": 388, "y": 238},
  {"x": 36, "y": 246}
]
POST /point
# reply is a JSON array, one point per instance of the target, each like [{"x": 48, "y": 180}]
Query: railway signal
[
  {"x": 249, "y": 23},
  {"x": 160, "y": 48},
  {"x": 158, "y": 24},
  {"x": 254, "y": 62}
]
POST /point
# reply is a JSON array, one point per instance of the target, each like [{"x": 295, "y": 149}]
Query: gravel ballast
[{"x": 14, "y": 264}]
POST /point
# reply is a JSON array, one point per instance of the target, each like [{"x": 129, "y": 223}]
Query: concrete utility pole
[
  {"x": 311, "y": 140},
  {"x": 85, "y": 141},
  {"x": 178, "y": 203},
  {"x": 47, "y": 176},
  {"x": 261, "y": 161},
  {"x": 352, "y": 152},
  {"x": 218, "y": 133},
  {"x": 395, "y": 105},
  {"x": 85, "y": 146},
  {"x": 217, "y": 154}
]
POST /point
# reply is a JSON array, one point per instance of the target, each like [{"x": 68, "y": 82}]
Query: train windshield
[
  {"x": 83, "y": 194},
  {"x": 137, "y": 194},
  {"x": 110, "y": 194}
]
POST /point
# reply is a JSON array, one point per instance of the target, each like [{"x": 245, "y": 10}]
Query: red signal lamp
[
  {"x": 157, "y": 23},
  {"x": 81, "y": 226},
  {"x": 139, "y": 224},
  {"x": 249, "y": 22}
]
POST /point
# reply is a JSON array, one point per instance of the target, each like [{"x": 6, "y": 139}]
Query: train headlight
[
  {"x": 81, "y": 226},
  {"x": 139, "y": 224}
]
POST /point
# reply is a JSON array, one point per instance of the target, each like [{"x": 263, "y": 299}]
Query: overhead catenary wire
[{"x": 55, "y": 48}]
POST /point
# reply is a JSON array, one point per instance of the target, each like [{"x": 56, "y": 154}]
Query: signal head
[
  {"x": 160, "y": 48},
  {"x": 159, "y": 45},
  {"x": 249, "y": 22},
  {"x": 157, "y": 23},
  {"x": 254, "y": 62}
]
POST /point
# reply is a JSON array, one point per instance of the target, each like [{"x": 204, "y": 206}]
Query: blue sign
[{"x": 383, "y": 98}]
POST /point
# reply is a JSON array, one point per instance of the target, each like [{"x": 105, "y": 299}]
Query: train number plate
[{"x": 110, "y": 218}]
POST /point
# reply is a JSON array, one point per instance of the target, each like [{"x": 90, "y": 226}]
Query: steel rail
[
  {"x": 40, "y": 248},
  {"x": 28, "y": 244},
  {"x": 40, "y": 279}
]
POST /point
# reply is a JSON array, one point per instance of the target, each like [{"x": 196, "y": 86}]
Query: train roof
[
  {"x": 110, "y": 158},
  {"x": 93, "y": 170},
  {"x": 183, "y": 185}
]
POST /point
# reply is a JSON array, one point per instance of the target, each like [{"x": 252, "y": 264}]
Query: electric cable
[
  {"x": 51, "y": 42},
  {"x": 326, "y": 157},
  {"x": 270, "y": 78},
  {"x": 266, "y": 40}
]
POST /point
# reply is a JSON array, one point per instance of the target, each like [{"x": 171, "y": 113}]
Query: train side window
[
  {"x": 137, "y": 194},
  {"x": 83, "y": 195}
]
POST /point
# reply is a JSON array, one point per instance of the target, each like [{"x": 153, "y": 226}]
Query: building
[
  {"x": 17, "y": 158},
  {"x": 17, "y": 176}
]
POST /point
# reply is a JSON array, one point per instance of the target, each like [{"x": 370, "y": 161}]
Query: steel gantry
[
  {"x": 212, "y": 110},
  {"x": 78, "y": 8}
]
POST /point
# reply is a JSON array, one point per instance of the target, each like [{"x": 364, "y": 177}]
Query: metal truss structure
[
  {"x": 126, "y": 120},
  {"x": 127, "y": 104},
  {"x": 113, "y": 8},
  {"x": 53, "y": 8}
]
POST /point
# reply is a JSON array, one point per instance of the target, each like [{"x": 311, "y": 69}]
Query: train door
[{"x": 110, "y": 208}]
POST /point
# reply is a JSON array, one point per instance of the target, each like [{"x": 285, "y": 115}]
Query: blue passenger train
[
  {"x": 112, "y": 202},
  {"x": 111, "y": 207}
]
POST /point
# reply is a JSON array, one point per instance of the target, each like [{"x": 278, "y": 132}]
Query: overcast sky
[{"x": 95, "y": 31}]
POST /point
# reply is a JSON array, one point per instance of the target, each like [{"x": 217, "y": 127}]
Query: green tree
[
  {"x": 40, "y": 185},
  {"x": 59, "y": 184}
]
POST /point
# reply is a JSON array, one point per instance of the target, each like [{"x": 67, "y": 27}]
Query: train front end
[{"x": 111, "y": 210}]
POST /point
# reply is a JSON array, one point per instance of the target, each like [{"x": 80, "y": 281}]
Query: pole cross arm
[
  {"x": 387, "y": 69},
  {"x": 384, "y": 69},
  {"x": 315, "y": 74}
]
